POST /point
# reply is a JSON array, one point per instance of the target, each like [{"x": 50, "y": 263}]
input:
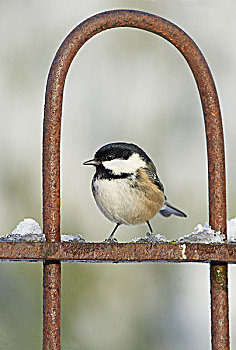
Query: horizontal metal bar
[{"x": 118, "y": 252}]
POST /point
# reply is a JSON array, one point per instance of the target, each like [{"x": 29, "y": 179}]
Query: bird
[{"x": 126, "y": 187}]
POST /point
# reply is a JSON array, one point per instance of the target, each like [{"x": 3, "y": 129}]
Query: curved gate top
[{"x": 51, "y": 157}]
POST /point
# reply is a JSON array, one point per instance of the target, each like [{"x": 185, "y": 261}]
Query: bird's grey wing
[
  {"x": 168, "y": 209},
  {"x": 151, "y": 172}
]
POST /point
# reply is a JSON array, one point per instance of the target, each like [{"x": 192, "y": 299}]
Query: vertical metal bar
[
  {"x": 51, "y": 223},
  {"x": 219, "y": 306},
  {"x": 51, "y": 217},
  {"x": 51, "y": 304},
  {"x": 214, "y": 134}
]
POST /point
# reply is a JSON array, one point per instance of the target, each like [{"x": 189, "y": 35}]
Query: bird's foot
[
  {"x": 152, "y": 238},
  {"x": 110, "y": 240}
]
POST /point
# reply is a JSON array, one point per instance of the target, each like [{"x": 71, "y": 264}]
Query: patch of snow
[
  {"x": 231, "y": 230},
  {"x": 72, "y": 238},
  {"x": 29, "y": 230},
  {"x": 202, "y": 234},
  {"x": 151, "y": 238},
  {"x": 183, "y": 246},
  {"x": 26, "y": 227}
]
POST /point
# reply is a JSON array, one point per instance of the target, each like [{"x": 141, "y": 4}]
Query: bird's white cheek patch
[{"x": 130, "y": 165}]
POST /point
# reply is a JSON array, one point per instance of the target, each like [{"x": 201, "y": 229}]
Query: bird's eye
[{"x": 109, "y": 157}]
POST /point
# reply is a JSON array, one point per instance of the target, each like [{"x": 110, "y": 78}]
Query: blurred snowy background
[{"x": 124, "y": 85}]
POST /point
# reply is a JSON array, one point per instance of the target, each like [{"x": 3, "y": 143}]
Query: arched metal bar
[{"x": 215, "y": 150}]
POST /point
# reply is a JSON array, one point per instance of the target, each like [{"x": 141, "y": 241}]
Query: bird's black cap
[{"x": 120, "y": 150}]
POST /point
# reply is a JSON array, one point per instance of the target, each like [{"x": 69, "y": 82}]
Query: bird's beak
[{"x": 91, "y": 162}]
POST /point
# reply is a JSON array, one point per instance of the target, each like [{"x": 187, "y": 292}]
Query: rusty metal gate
[{"x": 52, "y": 252}]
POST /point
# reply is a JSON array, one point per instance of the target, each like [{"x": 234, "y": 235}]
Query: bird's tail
[{"x": 168, "y": 209}]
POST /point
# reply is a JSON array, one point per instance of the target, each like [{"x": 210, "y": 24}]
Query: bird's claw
[
  {"x": 153, "y": 239},
  {"x": 111, "y": 240}
]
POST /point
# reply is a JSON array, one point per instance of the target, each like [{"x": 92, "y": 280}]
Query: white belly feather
[{"x": 122, "y": 203}]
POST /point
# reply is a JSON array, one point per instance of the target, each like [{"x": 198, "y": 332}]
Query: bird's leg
[
  {"x": 110, "y": 239},
  {"x": 150, "y": 237},
  {"x": 150, "y": 227}
]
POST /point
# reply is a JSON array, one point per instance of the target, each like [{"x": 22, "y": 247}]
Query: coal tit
[{"x": 126, "y": 187}]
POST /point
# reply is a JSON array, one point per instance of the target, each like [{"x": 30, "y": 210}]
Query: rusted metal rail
[
  {"x": 215, "y": 148},
  {"x": 53, "y": 251},
  {"x": 119, "y": 252}
]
